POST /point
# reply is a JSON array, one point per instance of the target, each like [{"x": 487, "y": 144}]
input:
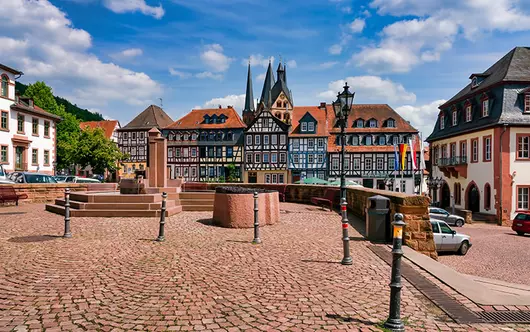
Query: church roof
[
  {"x": 267, "y": 85},
  {"x": 152, "y": 116},
  {"x": 249, "y": 95}
]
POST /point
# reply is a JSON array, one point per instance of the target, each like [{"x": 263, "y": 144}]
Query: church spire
[
  {"x": 267, "y": 85},
  {"x": 281, "y": 72},
  {"x": 249, "y": 97}
]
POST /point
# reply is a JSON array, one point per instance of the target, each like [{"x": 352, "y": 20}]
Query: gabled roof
[
  {"x": 317, "y": 113},
  {"x": 279, "y": 87},
  {"x": 195, "y": 119},
  {"x": 108, "y": 126},
  {"x": 283, "y": 125},
  {"x": 152, "y": 117},
  {"x": 23, "y": 105},
  {"x": 513, "y": 67}
]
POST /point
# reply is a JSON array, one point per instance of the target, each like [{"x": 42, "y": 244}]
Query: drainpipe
[{"x": 500, "y": 176}]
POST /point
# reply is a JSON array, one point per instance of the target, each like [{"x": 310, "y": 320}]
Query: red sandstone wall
[{"x": 45, "y": 193}]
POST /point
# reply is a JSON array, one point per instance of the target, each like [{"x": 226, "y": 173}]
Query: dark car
[
  {"x": 521, "y": 223},
  {"x": 28, "y": 177},
  {"x": 441, "y": 214}
]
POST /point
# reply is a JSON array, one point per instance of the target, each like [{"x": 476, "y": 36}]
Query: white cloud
[
  {"x": 291, "y": 64},
  {"x": 63, "y": 60},
  {"x": 237, "y": 101},
  {"x": 181, "y": 74},
  {"x": 410, "y": 42},
  {"x": 327, "y": 65},
  {"x": 261, "y": 77},
  {"x": 335, "y": 49},
  {"x": 213, "y": 57},
  {"x": 208, "y": 74},
  {"x": 357, "y": 26},
  {"x": 257, "y": 60},
  {"x": 346, "y": 10},
  {"x": 371, "y": 88},
  {"x": 127, "y": 54},
  {"x": 127, "y": 6},
  {"x": 422, "y": 117}
]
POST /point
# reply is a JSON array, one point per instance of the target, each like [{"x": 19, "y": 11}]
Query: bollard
[
  {"x": 67, "y": 233},
  {"x": 256, "y": 240},
  {"x": 161, "y": 237},
  {"x": 394, "y": 322},
  {"x": 346, "y": 260}
]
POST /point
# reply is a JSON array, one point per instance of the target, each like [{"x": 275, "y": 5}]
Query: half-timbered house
[
  {"x": 308, "y": 143},
  {"x": 206, "y": 145},
  {"x": 132, "y": 138},
  {"x": 371, "y": 133}
]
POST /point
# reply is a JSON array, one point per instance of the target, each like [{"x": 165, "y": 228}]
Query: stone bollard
[
  {"x": 67, "y": 232},
  {"x": 394, "y": 322},
  {"x": 346, "y": 260},
  {"x": 256, "y": 240},
  {"x": 161, "y": 236}
]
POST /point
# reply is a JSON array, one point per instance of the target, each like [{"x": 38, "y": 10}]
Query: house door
[
  {"x": 252, "y": 177},
  {"x": 19, "y": 158},
  {"x": 473, "y": 199},
  {"x": 446, "y": 196}
]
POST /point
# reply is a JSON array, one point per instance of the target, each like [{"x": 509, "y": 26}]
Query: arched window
[
  {"x": 284, "y": 104},
  {"x": 194, "y": 137},
  {"x": 5, "y": 86},
  {"x": 186, "y": 136},
  {"x": 171, "y": 136},
  {"x": 278, "y": 104},
  {"x": 278, "y": 115},
  {"x": 287, "y": 117},
  {"x": 487, "y": 197},
  {"x": 177, "y": 137}
]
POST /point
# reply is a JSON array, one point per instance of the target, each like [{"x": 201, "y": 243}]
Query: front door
[
  {"x": 252, "y": 177},
  {"x": 19, "y": 158},
  {"x": 381, "y": 184},
  {"x": 368, "y": 183},
  {"x": 446, "y": 196},
  {"x": 473, "y": 199}
]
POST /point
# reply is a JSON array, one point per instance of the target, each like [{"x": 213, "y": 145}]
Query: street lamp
[
  {"x": 54, "y": 165},
  {"x": 342, "y": 108}
]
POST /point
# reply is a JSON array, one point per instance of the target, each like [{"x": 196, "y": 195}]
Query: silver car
[
  {"x": 451, "y": 219},
  {"x": 448, "y": 240}
]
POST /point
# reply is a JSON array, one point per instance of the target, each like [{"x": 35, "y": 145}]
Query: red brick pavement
[{"x": 111, "y": 276}]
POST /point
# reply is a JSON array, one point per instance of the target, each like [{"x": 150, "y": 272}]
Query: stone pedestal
[
  {"x": 157, "y": 169},
  {"x": 237, "y": 210}
]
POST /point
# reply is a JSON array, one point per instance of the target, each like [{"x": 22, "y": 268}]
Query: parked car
[
  {"x": 521, "y": 223},
  {"x": 448, "y": 240},
  {"x": 78, "y": 179},
  {"x": 28, "y": 177},
  {"x": 64, "y": 178},
  {"x": 4, "y": 179},
  {"x": 451, "y": 219}
]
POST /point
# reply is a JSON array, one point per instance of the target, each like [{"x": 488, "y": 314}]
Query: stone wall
[{"x": 45, "y": 192}]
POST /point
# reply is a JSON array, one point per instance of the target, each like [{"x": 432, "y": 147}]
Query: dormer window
[
  {"x": 310, "y": 126},
  {"x": 527, "y": 103},
  {"x": 214, "y": 119},
  {"x": 177, "y": 137},
  {"x": 474, "y": 82},
  {"x": 390, "y": 123},
  {"x": 368, "y": 140},
  {"x": 211, "y": 137},
  {"x": 455, "y": 118},
  {"x": 442, "y": 122},
  {"x": 193, "y": 137},
  {"x": 186, "y": 137},
  {"x": 372, "y": 124},
  {"x": 468, "y": 113},
  {"x": 304, "y": 126},
  {"x": 485, "y": 107},
  {"x": 359, "y": 123},
  {"x": 382, "y": 140}
]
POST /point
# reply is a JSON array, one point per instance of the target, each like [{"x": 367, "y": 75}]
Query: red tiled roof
[
  {"x": 23, "y": 105},
  {"x": 195, "y": 119},
  {"x": 319, "y": 115},
  {"x": 108, "y": 126}
]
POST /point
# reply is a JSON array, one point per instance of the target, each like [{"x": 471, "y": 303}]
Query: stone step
[
  {"x": 116, "y": 206},
  {"x": 115, "y": 198},
  {"x": 197, "y": 207},
  {"x": 197, "y": 195},
  {"x": 112, "y": 213},
  {"x": 184, "y": 202},
  {"x": 168, "y": 190}
]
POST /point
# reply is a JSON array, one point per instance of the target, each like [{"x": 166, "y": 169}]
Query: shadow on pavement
[
  {"x": 34, "y": 238},
  {"x": 349, "y": 319},
  {"x": 317, "y": 261},
  {"x": 207, "y": 222}
]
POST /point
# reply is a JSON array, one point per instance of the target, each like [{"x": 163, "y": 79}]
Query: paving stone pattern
[{"x": 112, "y": 276}]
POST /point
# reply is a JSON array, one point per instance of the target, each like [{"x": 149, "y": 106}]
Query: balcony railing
[{"x": 453, "y": 161}]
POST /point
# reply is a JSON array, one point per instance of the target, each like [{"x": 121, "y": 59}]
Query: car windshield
[
  {"x": 39, "y": 178},
  {"x": 522, "y": 216}
]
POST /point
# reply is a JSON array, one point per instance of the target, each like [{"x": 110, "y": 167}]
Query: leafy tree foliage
[{"x": 96, "y": 150}]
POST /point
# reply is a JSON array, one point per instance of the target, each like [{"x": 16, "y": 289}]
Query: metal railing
[{"x": 452, "y": 161}]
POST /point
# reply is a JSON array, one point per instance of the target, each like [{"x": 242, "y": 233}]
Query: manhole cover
[
  {"x": 33, "y": 238},
  {"x": 506, "y": 316}
]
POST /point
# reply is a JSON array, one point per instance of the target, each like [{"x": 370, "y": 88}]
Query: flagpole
[
  {"x": 421, "y": 164},
  {"x": 413, "y": 162}
]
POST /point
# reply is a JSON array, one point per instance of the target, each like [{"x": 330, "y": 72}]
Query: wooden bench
[
  {"x": 8, "y": 194},
  {"x": 194, "y": 186},
  {"x": 280, "y": 188},
  {"x": 330, "y": 196}
]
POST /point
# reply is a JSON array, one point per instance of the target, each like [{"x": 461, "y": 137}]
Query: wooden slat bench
[
  {"x": 8, "y": 194},
  {"x": 329, "y": 198}
]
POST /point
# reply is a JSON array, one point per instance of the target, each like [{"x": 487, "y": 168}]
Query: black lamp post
[{"x": 342, "y": 108}]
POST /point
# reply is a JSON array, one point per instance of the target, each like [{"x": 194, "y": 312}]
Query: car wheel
[
  {"x": 520, "y": 233},
  {"x": 464, "y": 247},
  {"x": 459, "y": 223}
]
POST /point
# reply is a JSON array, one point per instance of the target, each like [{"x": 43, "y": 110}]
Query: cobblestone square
[{"x": 112, "y": 276}]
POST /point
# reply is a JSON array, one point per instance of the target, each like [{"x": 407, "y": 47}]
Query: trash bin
[{"x": 378, "y": 219}]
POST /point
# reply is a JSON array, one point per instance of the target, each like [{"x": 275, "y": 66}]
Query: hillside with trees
[{"x": 80, "y": 113}]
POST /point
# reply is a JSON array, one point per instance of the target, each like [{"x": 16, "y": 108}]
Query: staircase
[{"x": 196, "y": 201}]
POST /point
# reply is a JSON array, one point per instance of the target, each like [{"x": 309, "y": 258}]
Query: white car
[
  {"x": 77, "y": 179},
  {"x": 448, "y": 240}
]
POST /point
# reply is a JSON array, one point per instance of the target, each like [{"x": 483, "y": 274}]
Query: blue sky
[{"x": 119, "y": 56}]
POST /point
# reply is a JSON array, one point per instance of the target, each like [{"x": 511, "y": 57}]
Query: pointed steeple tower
[
  {"x": 280, "y": 72},
  {"x": 249, "y": 110},
  {"x": 267, "y": 86}
]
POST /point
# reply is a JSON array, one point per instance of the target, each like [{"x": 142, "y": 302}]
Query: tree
[
  {"x": 67, "y": 129},
  {"x": 96, "y": 150},
  {"x": 231, "y": 168}
]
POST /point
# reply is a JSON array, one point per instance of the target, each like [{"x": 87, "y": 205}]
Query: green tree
[
  {"x": 67, "y": 129},
  {"x": 231, "y": 168},
  {"x": 96, "y": 150}
]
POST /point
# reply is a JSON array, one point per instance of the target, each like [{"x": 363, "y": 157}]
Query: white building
[{"x": 27, "y": 132}]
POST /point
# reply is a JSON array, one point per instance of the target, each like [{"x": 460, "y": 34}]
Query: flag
[
  {"x": 412, "y": 154},
  {"x": 422, "y": 155},
  {"x": 403, "y": 152},
  {"x": 396, "y": 159}
]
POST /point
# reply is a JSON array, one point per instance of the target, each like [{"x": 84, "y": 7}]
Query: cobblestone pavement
[
  {"x": 497, "y": 253},
  {"x": 111, "y": 276}
]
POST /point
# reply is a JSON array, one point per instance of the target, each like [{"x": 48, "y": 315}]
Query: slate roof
[
  {"x": 268, "y": 84},
  {"x": 152, "y": 116},
  {"x": 23, "y": 105},
  {"x": 249, "y": 94},
  {"x": 195, "y": 120},
  {"x": 108, "y": 126},
  {"x": 513, "y": 67},
  {"x": 317, "y": 113}
]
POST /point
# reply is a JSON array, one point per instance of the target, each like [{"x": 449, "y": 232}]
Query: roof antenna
[{"x": 161, "y": 105}]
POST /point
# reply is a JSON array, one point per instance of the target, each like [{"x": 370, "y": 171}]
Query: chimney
[
  {"x": 322, "y": 105},
  {"x": 30, "y": 102},
  {"x": 229, "y": 106},
  {"x": 220, "y": 106}
]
